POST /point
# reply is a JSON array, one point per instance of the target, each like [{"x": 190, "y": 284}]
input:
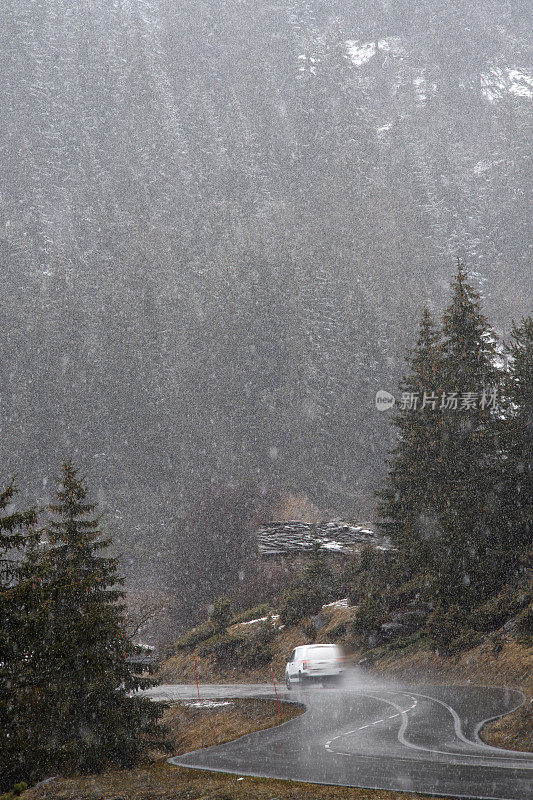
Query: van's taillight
[{"x": 305, "y": 664}]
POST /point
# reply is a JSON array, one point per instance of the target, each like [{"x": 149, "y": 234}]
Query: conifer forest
[{"x": 266, "y": 360}]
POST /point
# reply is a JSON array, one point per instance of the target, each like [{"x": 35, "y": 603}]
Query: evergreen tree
[
  {"x": 85, "y": 662},
  {"x": 220, "y": 616},
  {"x": 17, "y": 532},
  {"x": 311, "y": 588},
  {"x": 468, "y": 449},
  {"x": 408, "y": 503},
  {"x": 516, "y": 507},
  {"x": 317, "y": 577},
  {"x": 440, "y": 501},
  {"x": 469, "y": 342}
]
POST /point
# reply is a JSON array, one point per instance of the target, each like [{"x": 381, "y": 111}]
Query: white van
[{"x": 322, "y": 663}]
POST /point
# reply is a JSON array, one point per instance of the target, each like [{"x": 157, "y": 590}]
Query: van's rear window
[{"x": 322, "y": 652}]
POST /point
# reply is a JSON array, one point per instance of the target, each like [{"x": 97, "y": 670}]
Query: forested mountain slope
[{"x": 219, "y": 219}]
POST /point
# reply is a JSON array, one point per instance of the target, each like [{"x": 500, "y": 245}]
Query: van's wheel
[
  {"x": 301, "y": 680},
  {"x": 288, "y": 682}
]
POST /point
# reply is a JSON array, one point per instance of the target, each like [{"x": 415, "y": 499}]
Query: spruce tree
[
  {"x": 440, "y": 503},
  {"x": 408, "y": 503},
  {"x": 93, "y": 717},
  {"x": 17, "y": 532},
  {"x": 317, "y": 577},
  {"x": 515, "y": 522},
  {"x": 468, "y": 449}
]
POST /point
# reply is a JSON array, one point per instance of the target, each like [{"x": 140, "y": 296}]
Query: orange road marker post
[
  {"x": 196, "y": 673},
  {"x": 276, "y": 691}
]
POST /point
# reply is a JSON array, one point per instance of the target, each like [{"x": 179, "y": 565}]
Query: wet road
[{"x": 381, "y": 736}]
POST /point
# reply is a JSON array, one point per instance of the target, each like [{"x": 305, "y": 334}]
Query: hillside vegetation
[{"x": 501, "y": 655}]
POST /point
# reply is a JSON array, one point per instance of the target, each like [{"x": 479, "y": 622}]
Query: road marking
[
  {"x": 457, "y": 724},
  {"x": 363, "y": 727},
  {"x": 403, "y": 729}
]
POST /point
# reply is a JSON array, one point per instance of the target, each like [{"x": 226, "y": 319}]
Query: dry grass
[
  {"x": 515, "y": 731},
  {"x": 165, "y": 782},
  {"x": 192, "y": 728},
  {"x": 511, "y": 666}
]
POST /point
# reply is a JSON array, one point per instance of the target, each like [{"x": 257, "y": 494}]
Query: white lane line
[
  {"x": 483, "y": 722},
  {"x": 403, "y": 740},
  {"x": 458, "y": 727},
  {"x": 459, "y": 731},
  {"x": 455, "y": 716},
  {"x": 363, "y": 727}
]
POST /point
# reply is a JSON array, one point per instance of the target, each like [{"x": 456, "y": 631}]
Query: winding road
[{"x": 377, "y": 736}]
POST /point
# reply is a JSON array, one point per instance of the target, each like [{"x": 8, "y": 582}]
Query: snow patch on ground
[
  {"x": 499, "y": 81},
  {"x": 361, "y": 52},
  {"x": 420, "y": 85},
  {"x": 209, "y": 703},
  {"x": 384, "y": 128},
  {"x": 307, "y": 64},
  {"x": 274, "y": 618},
  {"x": 332, "y": 546},
  {"x": 521, "y": 83},
  {"x": 338, "y": 604},
  {"x": 482, "y": 166}
]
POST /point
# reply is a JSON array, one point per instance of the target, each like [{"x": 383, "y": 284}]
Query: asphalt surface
[{"x": 380, "y": 736}]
